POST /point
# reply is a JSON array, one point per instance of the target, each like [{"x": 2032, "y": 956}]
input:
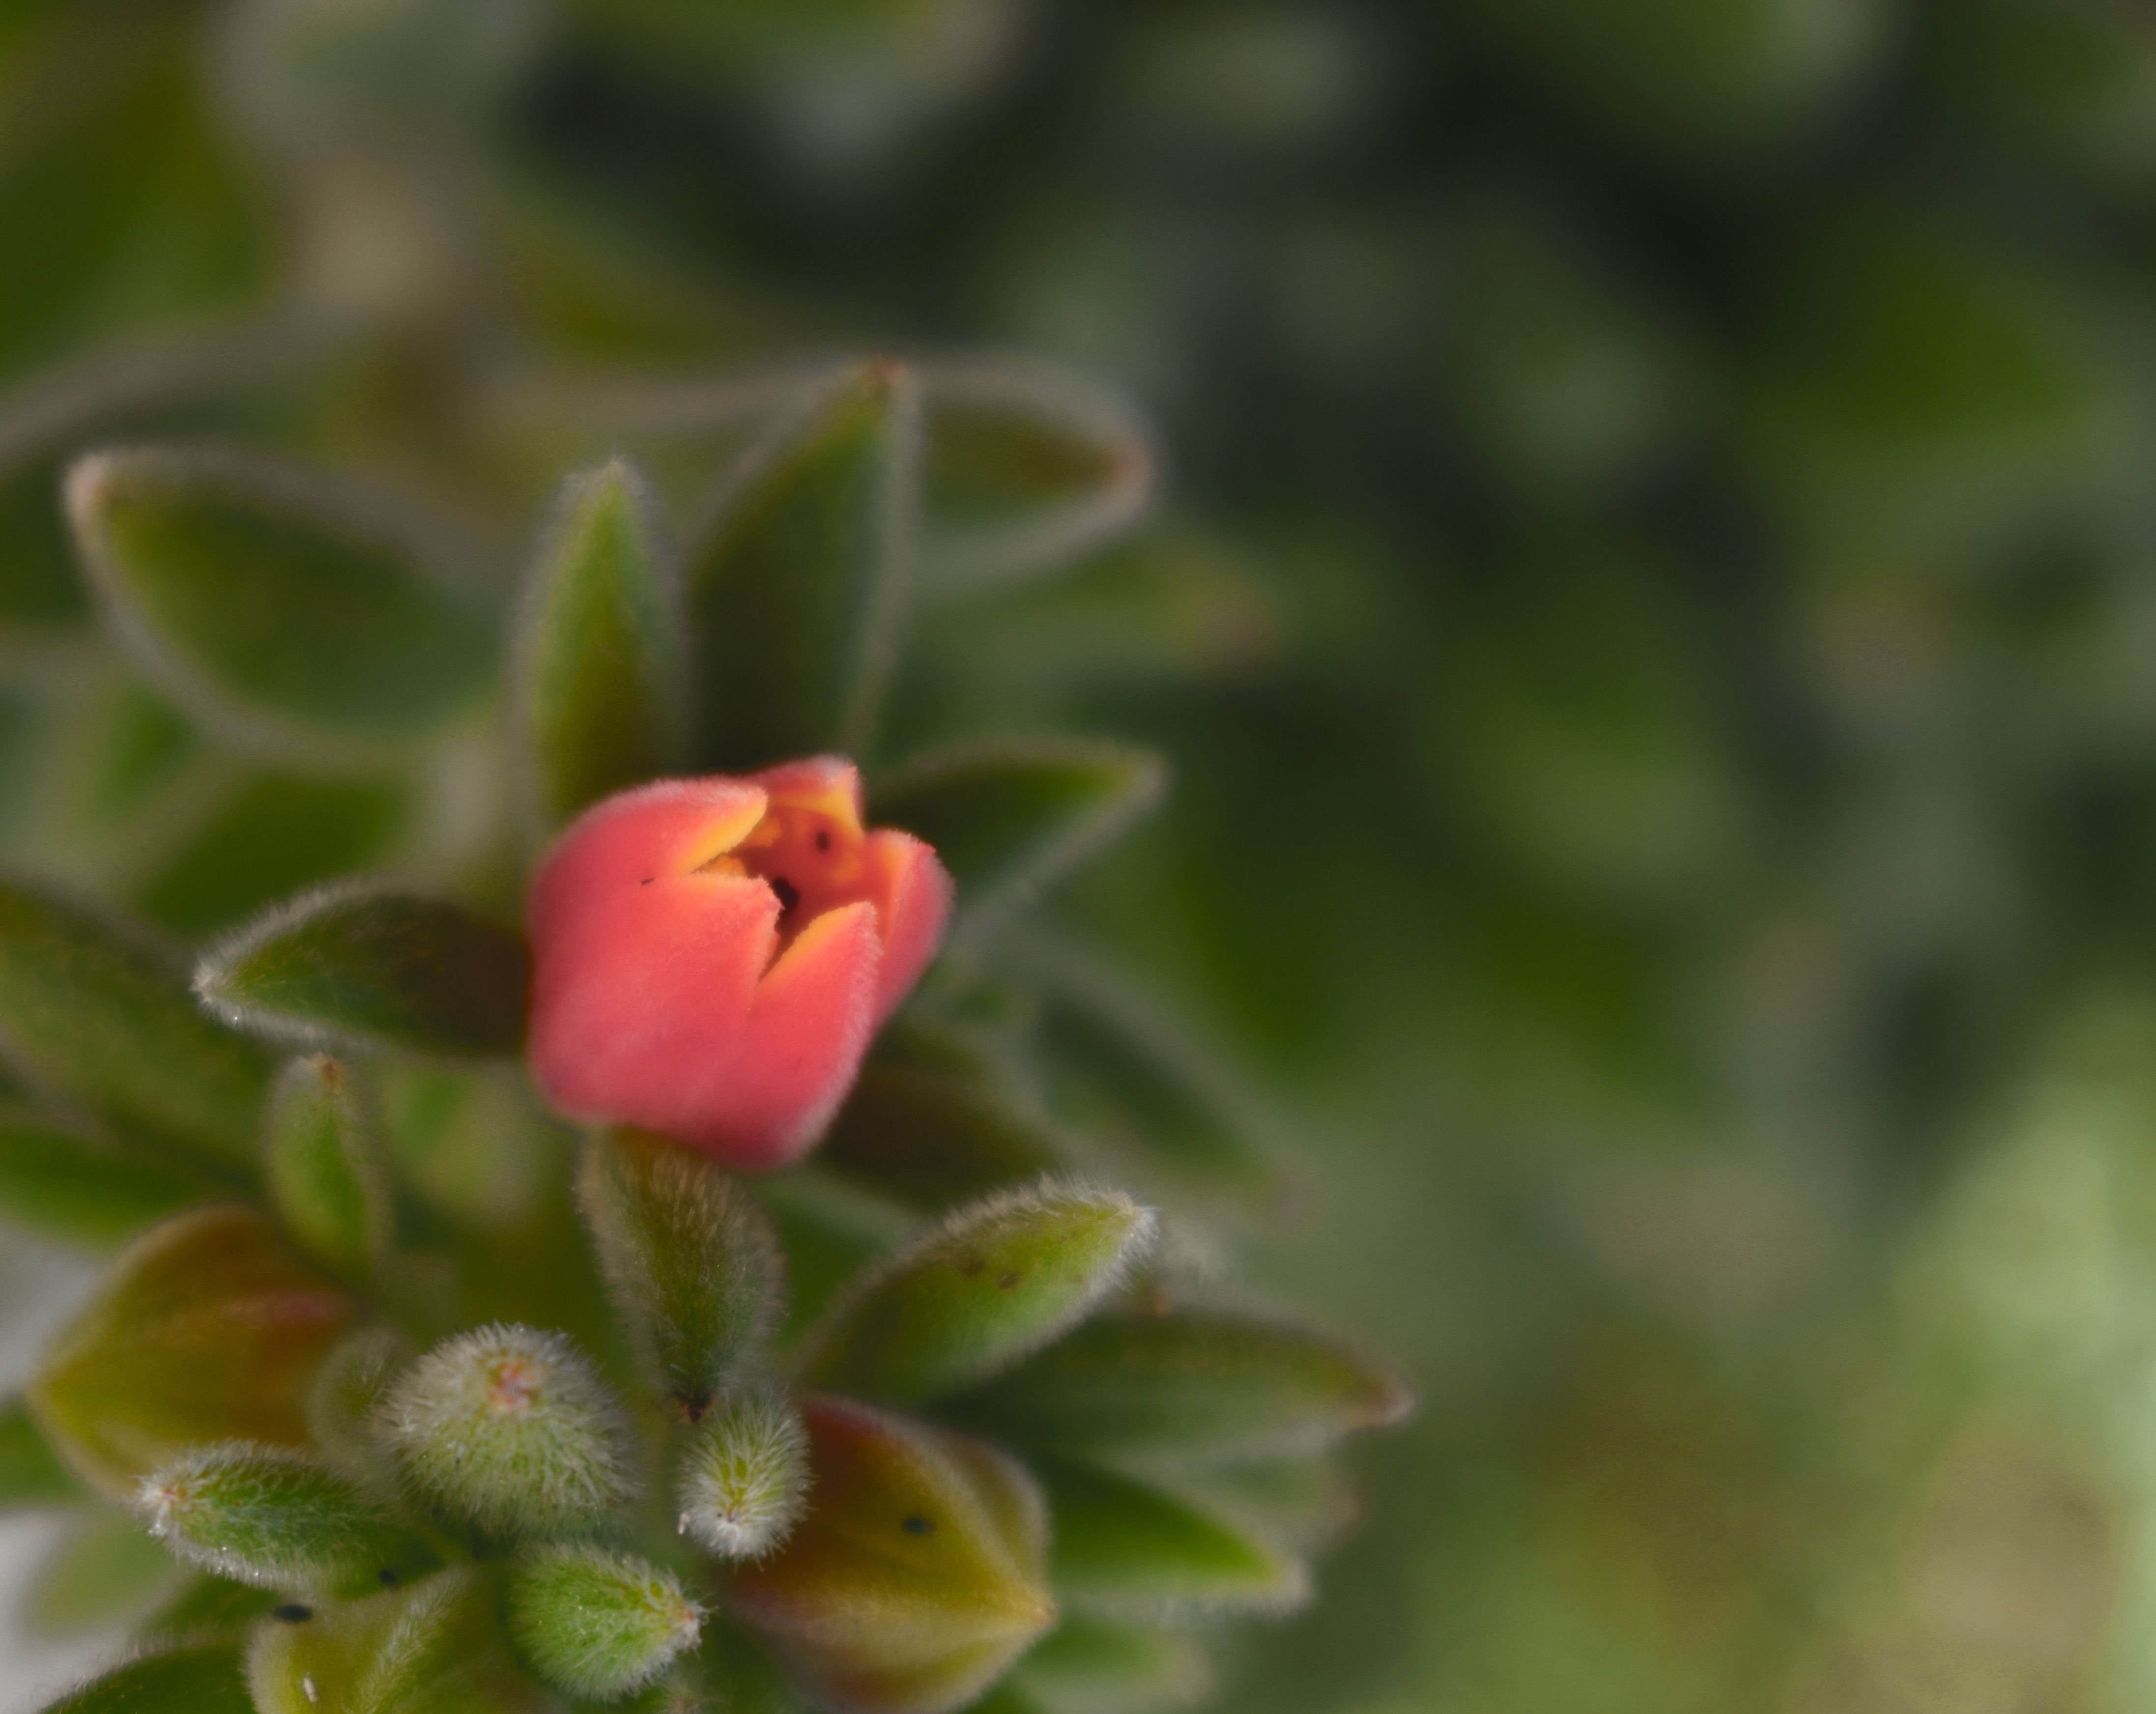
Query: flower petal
[
  {"x": 829, "y": 785},
  {"x": 912, "y": 891},
  {"x": 636, "y": 1005},
  {"x": 808, "y": 1028},
  {"x": 668, "y": 827}
]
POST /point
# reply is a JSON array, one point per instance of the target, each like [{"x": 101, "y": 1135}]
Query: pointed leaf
[
  {"x": 994, "y": 1282},
  {"x": 209, "y": 1328},
  {"x": 362, "y": 965},
  {"x": 323, "y": 1165},
  {"x": 285, "y": 611},
  {"x": 1010, "y": 819},
  {"x": 101, "y": 1015},
  {"x": 597, "y": 1625},
  {"x": 1196, "y": 1383},
  {"x": 596, "y": 668},
  {"x": 691, "y": 1263},
  {"x": 275, "y": 833},
  {"x": 31, "y": 1473},
  {"x": 511, "y": 1428},
  {"x": 435, "y": 1648},
  {"x": 265, "y": 1515},
  {"x": 905, "y": 1589},
  {"x": 1093, "y": 1666},
  {"x": 1025, "y": 469},
  {"x": 1126, "y": 1549},
  {"x": 106, "y": 1573},
  {"x": 94, "y": 1193},
  {"x": 208, "y": 1607},
  {"x": 1121, "y": 1070},
  {"x": 204, "y": 1678},
  {"x": 795, "y": 581},
  {"x": 931, "y": 1123}
]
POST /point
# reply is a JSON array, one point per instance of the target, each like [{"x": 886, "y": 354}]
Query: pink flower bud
[{"x": 710, "y": 956}]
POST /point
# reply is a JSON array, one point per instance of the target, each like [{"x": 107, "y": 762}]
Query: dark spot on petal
[
  {"x": 823, "y": 838},
  {"x": 292, "y": 1612},
  {"x": 647, "y": 880},
  {"x": 789, "y": 895},
  {"x": 916, "y": 1525},
  {"x": 1007, "y": 1280}
]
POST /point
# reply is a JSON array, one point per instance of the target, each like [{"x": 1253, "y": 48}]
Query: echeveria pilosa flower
[{"x": 710, "y": 956}]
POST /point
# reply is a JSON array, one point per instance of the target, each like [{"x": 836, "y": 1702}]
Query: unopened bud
[
  {"x": 744, "y": 1472},
  {"x": 916, "y": 1574},
  {"x": 689, "y": 1260},
  {"x": 597, "y": 1625},
  {"x": 510, "y": 1428},
  {"x": 264, "y": 1515}
]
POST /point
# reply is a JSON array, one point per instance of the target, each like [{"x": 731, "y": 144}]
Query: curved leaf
[
  {"x": 1010, "y": 819},
  {"x": 795, "y": 581},
  {"x": 596, "y": 667},
  {"x": 1093, "y": 1666},
  {"x": 323, "y": 1165},
  {"x": 1025, "y": 469},
  {"x": 363, "y": 965},
  {"x": 208, "y": 1328},
  {"x": 101, "y": 1014},
  {"x": 993, "y": 1282},
  {"x": 1125, "y": 1548},
  {"x": 931, "y": 1123},
  {"x": 287, "y": 611},
  {"x": 1196, "y": 1383},
  {"x": 94, "y": 1193},
  {"x": 204, "y": 1679}
]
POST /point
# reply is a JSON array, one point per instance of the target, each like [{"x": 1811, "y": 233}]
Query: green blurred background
[{"x": 1652, "y": 605}]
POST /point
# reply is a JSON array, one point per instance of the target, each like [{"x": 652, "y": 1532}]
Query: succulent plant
[{"x": 818, "y": 1356}]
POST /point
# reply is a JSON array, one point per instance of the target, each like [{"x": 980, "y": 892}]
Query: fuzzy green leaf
[
  {"x": 101, "y": 1015},
  {"x": 690, "y": 1262},
  {"x": 205, "y": 1678},
  {"x": 1120, "y": 1069},
  {"x": 104, "y": 1572},
  {"x": 285, "y": 612},
  {"x": 994, "y": 1282},
  {"x": 31, "y": 1473},
  {"x": 597, "y": 1625},
  {"x": 932, "y": 1123},
  {"x": 915, "y": 1575},
  {"x": 434, "y": 1648},
  {"x": 1124, "y": 1549},
  {"x": 795, "y": 583},
  {"x": 1025, "y": 469},
  {"x": 346, "y": 1403},
  {"x": 208, "y": 1607},
  {"x": 1093, "y": 1666},
  {"x": 511, "y": 1428},
  {"x": 87, "y": 1192},
  {"x": 744, "y": 1471},
  {"x": 596, "y": 667},
  {"x": 265, "y": 1515},
  {"x": 208, "y": 1328},
  {"x": 1010, "y": 819},
  {"x": 361, "y": 965},
  {"x": 323, "y": 1165},
  {"x": 275, "y": 833},
  {"x": 1197, "y": 1383}
]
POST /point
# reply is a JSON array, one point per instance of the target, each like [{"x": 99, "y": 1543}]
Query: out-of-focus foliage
[{"x": 1653, "y": 619}]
